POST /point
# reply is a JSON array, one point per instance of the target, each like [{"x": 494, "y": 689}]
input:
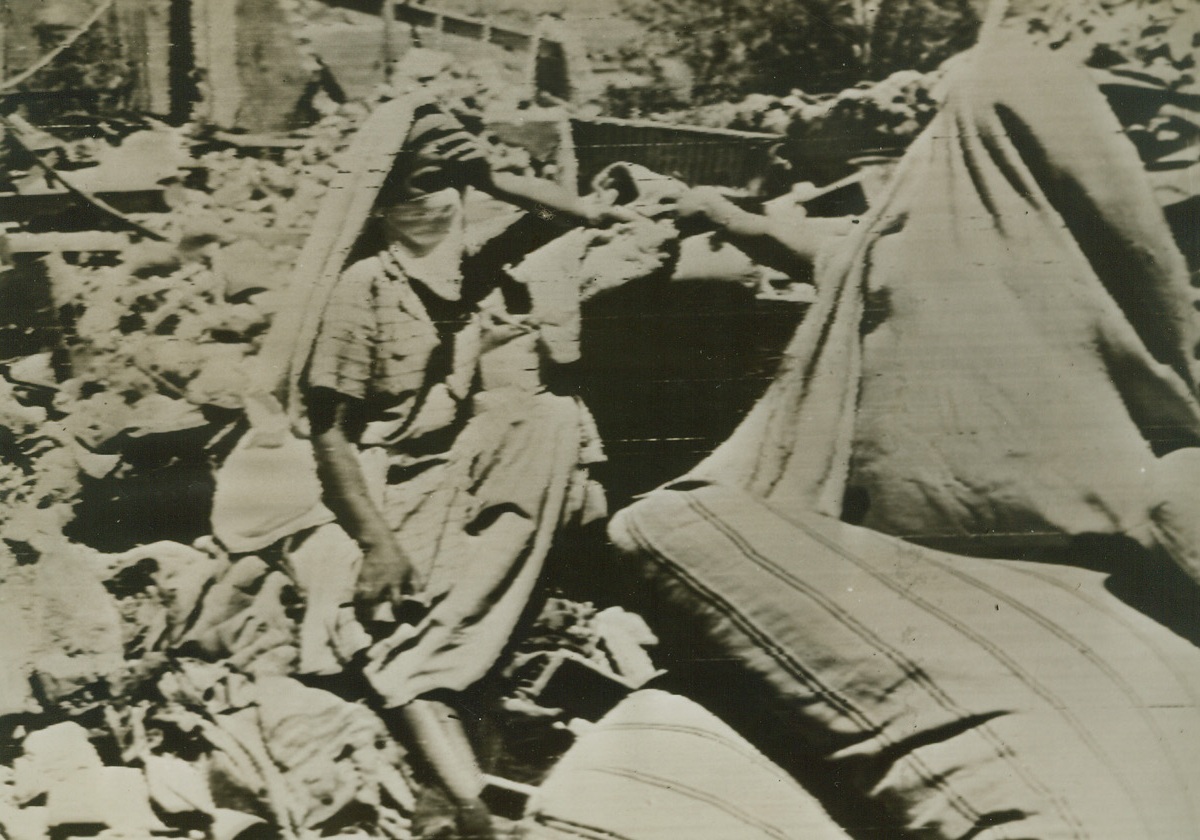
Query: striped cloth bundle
[
  {"x": 964, "y": 697},
  {"x": 660, "y": 767}
]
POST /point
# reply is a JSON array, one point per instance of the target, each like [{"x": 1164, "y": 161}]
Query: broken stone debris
[
  {"x": 1148, "y": 73},
  {"x": 63, "y": 638},
  {"x": 212, "y": 638}
]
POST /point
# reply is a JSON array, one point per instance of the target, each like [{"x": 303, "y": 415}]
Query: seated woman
[
  {"x": 439, "y": 448},
  {"x": 1000, "y": 363},
  {"x": 1001, "y": 357}
]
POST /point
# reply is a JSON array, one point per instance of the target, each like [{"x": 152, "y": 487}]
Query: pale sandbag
[
  {"x": 265, "y": 492},
  {"x": 661, "y": 767}
]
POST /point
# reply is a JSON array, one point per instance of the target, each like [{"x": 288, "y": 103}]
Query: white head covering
[
  {"x": 268, "y": 487},
  {"x": 344, "y": 211}
]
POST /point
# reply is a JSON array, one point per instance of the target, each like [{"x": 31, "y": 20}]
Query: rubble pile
[
  {"x": 155, "y": 691},
  {"x": 150, "y": 678},
  {"x": 150, "y": 692},
  {"x": 156, "y": 338},
  {"x": 886, "y": 114},
  {"x": 1145, "y": 54}
]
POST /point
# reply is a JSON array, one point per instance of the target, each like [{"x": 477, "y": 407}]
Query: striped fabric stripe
[
  {"x": 703, "y": 797},
  {"x": 437, "y": 135},
  {"x": 561, "y": 828},
  {"x": 660, "y": 767},
  {"x": 793, "y": 667}
]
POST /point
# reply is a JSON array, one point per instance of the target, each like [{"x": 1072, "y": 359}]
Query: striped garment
[
  {"x": 409, "y": 354},
  {"x": 438, "y": 153}
]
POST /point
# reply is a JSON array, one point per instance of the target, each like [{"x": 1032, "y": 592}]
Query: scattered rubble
[
  {"x": 174, "y": 657},
  {"x": 1144, "y": 55}
]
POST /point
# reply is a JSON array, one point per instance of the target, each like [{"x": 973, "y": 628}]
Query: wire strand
[
  {"x": 18, "y": 128},
  {"x": 49, "y": 57}
]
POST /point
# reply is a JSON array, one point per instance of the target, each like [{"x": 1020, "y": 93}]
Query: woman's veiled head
[
  {"x": 419, "y": 202},
  {"x": 438, "y": 153},
  {"x": 420, "y": 223}
]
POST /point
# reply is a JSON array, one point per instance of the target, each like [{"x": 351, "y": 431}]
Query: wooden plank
[
  {"x": 214, "y": 41},
  {"x": 465, "y": 26},
  {"x": 697, "y": 130},
  {"x": 18, "y": 207},
  {"x": 131, "y": 29},
  {"x": 65, "y": 242},
  {"x": 259, "y": 141},
  {"x": 254, "y": 70},
  {"x": 158, "y": 56},
  {"x": 415, "y": 15},
  {"x": 511, "y": 39},
  {"x": 391, "y": 39}
]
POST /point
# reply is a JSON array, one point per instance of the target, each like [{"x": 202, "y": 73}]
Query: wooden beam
[
  {"x": 131, "y": 29},
  {"x": 152, "y": 52},
  {"x": 66, "y": 242},
  {"x": 391, "y": 40},
  {"x": 20, "y": 207},
  {"x": 254, "y": 70},
  {"x": 462, "y": 26},
  {"x": 214, "y": 40}
]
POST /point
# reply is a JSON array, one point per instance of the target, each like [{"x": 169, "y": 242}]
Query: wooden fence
[{"x": 693, "y": 154}]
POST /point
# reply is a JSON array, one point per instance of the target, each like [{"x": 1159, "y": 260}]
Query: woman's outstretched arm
[
  {"x": 791, "y": 248},
  {"x": 548, "y": 200}
]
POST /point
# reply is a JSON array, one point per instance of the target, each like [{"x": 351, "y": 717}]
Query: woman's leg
[{"x": 436, "y": 731}]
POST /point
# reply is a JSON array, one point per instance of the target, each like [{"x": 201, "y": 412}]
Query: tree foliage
[
  {"x": 736, "y": 47},
  {"x": 918, "y": 34}
]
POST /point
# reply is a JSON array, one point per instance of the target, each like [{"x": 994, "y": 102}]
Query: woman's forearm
[
  {"x": 386, "y": 570},
  {"x": 791, "y": 247},
  {"x": 545, "y": 198},
  {"x": 346, "y": 488}
]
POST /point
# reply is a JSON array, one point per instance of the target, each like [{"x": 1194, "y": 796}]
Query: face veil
[{"x": 345, "y": 209}]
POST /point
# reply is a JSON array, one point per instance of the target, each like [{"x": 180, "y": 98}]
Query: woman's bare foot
[{"x": 474, "y": 821}]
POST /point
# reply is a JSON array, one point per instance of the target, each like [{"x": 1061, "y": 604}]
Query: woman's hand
[
  {"x": 607, "y": 215},
  {"x": 705, "y": 209},
  {"x": 385, "y": 591},
  {"x": 386, "y": 574}
]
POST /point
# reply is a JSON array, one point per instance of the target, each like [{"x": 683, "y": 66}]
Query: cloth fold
[
  {"x": 1005, "y": 349},
  {"x": 967, "y": 697}
]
